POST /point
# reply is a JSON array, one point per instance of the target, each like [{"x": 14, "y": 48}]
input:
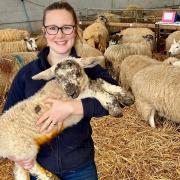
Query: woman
[{"x": 71, "y": 154}]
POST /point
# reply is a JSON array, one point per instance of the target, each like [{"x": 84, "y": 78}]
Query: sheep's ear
[
  {"x": 174, "y": 40},
  {"x": 46, "y": 75},
  {"x": 90, "y": 61}
]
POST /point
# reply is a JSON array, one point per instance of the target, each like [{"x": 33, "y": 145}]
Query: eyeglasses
[{"x": 53, "y": 30}]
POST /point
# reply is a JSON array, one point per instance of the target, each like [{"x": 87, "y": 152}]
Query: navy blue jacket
[{"x": 73, "y": 148}]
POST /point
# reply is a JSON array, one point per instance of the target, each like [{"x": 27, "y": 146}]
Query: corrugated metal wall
[{"x": 15, "y": 12}]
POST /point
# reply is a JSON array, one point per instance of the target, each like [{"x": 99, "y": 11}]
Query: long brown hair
[{"x": 58, "y": 6}]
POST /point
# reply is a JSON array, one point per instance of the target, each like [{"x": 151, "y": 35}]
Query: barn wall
[{"x": 15, "y": 12}]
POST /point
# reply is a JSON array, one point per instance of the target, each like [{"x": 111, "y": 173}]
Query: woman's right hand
[{"x": 26, "y": 164}]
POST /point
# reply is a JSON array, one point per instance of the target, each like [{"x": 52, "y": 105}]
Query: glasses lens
[
  {"x": 52, "y": 30},
  {"x": 67, "y": 29}
]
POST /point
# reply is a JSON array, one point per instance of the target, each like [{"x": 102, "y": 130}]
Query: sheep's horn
[{"x": 46, "y": 75}]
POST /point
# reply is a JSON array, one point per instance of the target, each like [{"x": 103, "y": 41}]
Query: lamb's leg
[
  {"x": 124, "y": 97},
  {"x": 147, "y": 111},
  {"x": 109, "y": 102},
  {"x": 20, "y": 173},
  {"x": 41, "y": 173}
]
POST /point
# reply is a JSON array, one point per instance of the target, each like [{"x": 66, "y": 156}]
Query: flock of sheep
[{"x": 153, "y": 85}]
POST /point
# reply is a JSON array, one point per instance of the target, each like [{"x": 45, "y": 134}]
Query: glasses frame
[{"x": 60, "y": 28}]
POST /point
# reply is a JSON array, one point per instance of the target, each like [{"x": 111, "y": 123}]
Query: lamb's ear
[
  {"x": 90, "y": 62},
  {"x": 46, "y": 75},
  {"x": 174, "y": 41}
]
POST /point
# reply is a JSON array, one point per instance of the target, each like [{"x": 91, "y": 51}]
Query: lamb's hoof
[
  {"x": 115, "y": 111},
  {"x": 127, "y": 101}
]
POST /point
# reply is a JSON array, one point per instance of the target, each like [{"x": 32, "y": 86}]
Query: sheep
[
  {"x": 138, "y": 35},
  {"x": 19, "y": 134},
  {"x": 137, "y": 31},
  {"x": 171, "y": 39},
  {"x": 174, "y": 49},
  {"x": 97, "y": 34},
  {"x": 134, "y": 63},
  {"x": 83, "y": 49},
  {"x": 7, "y": 35},
  {"x": 17, "y": 46},
  {"x": 9, "y": 66},
  {"x": 130, "y": 66},
  {"x": 41, "y": 42},
  {"x": 156, "y": 89},
  {"x": 115, "y": 54}
]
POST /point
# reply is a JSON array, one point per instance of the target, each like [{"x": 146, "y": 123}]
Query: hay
[{"x": 128, "y": 148}]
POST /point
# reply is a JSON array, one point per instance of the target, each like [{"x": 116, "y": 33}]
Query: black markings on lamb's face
[
  {"x": 37, "y": 109},
  {"x": 69, "y": 74}
]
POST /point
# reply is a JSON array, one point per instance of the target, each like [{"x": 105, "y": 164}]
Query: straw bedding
[{"x": 128, "y": 149}]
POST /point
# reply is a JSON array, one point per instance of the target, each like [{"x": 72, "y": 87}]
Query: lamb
[
  {"x": 171, "y": 39},
  {"x": 97, "y": 34},
  {"x": 19, "y": 135},
  {"x": 156, "y": 89},
  {"x": 17, "y": 46},
  {"x": 115, "y": 54},
  {"x": 7, "y": 35}
]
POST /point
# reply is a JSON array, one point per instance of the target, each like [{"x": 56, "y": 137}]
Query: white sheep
[
  {"x": 130, "y": 66},
  {"x": 19, "y": 134},
  {"x": 134, "y": 63},
  {"x": 174, "y": 49},
  {"x": 83, "y": 49},
  {"x": 115, "y": 55},
  {"x": 97, "y": 34},
  {"x": 17, "y": 46},
  {"x": 171, "y": 39},
  {"x": 7, "y": 35},
  {"x": 156, "y": 89}
]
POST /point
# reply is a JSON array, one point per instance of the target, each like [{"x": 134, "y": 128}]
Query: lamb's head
[
  {"x": 174, "y": 49},
  {"x": 31, "y": 44},
  {"x": 115, "y": 39},
  {"x": 70, "y": 74}
]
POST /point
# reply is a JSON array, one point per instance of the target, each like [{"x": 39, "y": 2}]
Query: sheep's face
[
  {"x": 70, "y": 75},
  {"x": 31, "y": 44},
  {"x": 148, "y": 37},
  {"x": 175, "y": 49}
]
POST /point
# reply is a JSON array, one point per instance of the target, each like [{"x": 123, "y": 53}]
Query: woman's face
[{"x": 59, "y": 43}]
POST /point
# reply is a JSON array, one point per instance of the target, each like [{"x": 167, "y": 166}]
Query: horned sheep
[
  {"x": 7, "y": 35},
  {"x": 17, "y": 46},
  {"x": 156, "y": 89},
  {"x": 96, "y": 34},
  {"x": 24, "y": 138}
]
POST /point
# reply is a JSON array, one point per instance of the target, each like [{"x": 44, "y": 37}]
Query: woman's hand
[
  {"x": 26, "y": 164},
  {"x": 59, "y": 111}
]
